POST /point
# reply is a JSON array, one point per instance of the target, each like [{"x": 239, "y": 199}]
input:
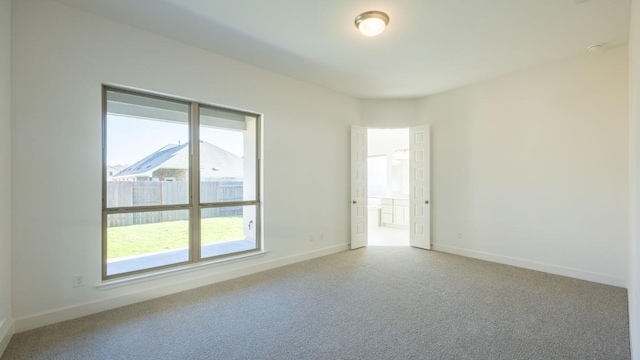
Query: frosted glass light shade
[{"x": 372, "y": 23}]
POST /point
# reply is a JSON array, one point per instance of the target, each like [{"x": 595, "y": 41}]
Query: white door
[
  {"x": 358, "y": 187},
  {"x": 419, "y": 184}
]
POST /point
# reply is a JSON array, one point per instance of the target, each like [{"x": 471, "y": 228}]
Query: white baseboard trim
[
  {"x": 6, "y": 332},
  {"x": 32, "y": 321},
  {"x": 533, "y": 265}
]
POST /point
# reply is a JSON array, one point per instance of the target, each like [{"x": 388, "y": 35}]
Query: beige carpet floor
[{"x": 373, "y": 303}]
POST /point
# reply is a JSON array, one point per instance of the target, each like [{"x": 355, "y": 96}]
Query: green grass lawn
[{"x": 150, "y": 238}]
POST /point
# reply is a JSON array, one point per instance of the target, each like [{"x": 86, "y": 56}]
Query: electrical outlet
[
  {"x": 312, "y": 237},
  {"x": 78, "y": 280},
  {"x": 321, "y": 236},
  {"x": 459, "y": 235}
]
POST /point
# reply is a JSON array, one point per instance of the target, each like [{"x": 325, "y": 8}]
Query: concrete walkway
[{"x": 175, "y": 256}]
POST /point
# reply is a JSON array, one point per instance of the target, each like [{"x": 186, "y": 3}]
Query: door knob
[
  {"x": 426, "y": 201},
  {"x": 355, "y": 202}
]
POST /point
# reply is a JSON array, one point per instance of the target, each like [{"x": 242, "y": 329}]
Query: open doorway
[
  {"x": 388, "y": 187},
  {"x": 419, "y": 213}
]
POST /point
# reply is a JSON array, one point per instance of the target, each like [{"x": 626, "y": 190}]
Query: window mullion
[
  {"x": 104, "y": 183},
  {"x": 194, "y": 167}
]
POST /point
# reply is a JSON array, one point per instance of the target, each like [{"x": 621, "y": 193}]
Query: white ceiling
[{"x": 430, "y": 46}]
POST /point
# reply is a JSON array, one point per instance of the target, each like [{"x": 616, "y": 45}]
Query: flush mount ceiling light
[
  {"x": 372, "y": 23},
  {"x": 593, "y": 48}
]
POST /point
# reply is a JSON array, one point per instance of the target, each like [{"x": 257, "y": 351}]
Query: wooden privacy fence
[{"x": 150, "y": 193}]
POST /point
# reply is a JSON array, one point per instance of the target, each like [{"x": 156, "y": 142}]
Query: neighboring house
[
  {"x": 113, "y": 170},
  {"x": 170, "y": 163}
]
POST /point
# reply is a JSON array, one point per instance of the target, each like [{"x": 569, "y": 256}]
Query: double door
[{"x": 419, "y": 221}]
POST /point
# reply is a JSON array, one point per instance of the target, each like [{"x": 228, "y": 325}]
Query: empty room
[{"x": 190, "y": 179}]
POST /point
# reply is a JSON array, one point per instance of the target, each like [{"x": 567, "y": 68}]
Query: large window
[{"x": 180, "y": 182}]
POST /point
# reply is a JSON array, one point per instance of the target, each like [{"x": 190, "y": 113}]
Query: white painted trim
[
  {"x": 534, "y": 265},
  {"x": 32, "y": 321},
  {"x": 6, "y": 332},
  {"x": 135, "y": 279}
]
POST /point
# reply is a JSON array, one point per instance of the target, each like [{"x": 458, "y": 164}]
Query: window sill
[{"x": 138, "y": 278}]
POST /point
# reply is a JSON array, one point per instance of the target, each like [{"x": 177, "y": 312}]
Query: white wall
[
  {"x": 532, "y": 168},
  {"x": 61, "y": 58},
  {"x": 389, "y": 113},
  {"x": 6, "y": 323},
  {"x": 634, "y": 163}
]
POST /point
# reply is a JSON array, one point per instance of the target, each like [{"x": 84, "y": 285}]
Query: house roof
[
  {"x": 215, "y": 162},
  {"x": 118, "y": 167}
]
